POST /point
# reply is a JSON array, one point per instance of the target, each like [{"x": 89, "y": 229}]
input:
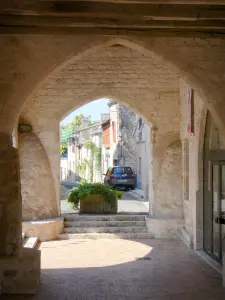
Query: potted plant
[{"x": 94, "y": 198}]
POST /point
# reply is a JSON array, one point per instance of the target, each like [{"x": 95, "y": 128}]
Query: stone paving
[{"x": 116, "y": 270}]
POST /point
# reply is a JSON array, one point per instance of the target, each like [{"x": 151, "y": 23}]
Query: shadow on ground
[{"x": 124, "y": 269}]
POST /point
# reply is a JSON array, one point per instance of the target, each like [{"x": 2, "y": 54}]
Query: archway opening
[{"x": 105, "y": 141}]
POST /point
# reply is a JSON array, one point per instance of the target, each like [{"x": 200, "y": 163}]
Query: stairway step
[
  {"x": 116, "y": 223},
  {"x": 105, "y": 229},
  {"x": 96, "y": 236},
  {"x": 30, "y": 242},
  {"x": 86, "y": 217}
]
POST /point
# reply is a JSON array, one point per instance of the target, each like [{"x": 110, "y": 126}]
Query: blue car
[{"x": 120, "y": 177}]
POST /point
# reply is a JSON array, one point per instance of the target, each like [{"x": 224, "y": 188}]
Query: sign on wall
[{"x": 189, "y": 110}]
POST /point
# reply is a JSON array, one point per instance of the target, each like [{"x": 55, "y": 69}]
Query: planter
[{"x": 97, "y": 204}]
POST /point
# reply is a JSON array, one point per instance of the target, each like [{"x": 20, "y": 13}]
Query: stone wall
[
  {"x": 193, "y": 204},
  {"x": 143, "y": 82},
  {"x": 37, "y": 186}
]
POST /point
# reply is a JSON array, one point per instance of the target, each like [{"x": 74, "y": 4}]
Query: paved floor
[
  {"x": 115, "y": 270},
  {"x": 129, "y": 203}
]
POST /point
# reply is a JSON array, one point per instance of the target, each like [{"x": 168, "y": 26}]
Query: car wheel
[{"x": 133, "y": 187}]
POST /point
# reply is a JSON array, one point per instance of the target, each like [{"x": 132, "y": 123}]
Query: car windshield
[{"x": 122, "y": 170}]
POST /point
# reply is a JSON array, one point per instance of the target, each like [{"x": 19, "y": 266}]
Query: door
[
  {"x": 213, "y": 194},
  {"x": 214, "y": 211}
]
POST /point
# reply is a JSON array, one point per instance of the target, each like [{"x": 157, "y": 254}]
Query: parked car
[{"x": 120, "y": 177}]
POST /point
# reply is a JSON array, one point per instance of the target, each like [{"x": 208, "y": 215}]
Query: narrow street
[{"x": 132, "y": 202}]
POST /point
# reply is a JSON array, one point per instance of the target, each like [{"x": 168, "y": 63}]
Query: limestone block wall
[
  {"x": 37, "y": 185},
  {"x": 27, "y": 60},
  {"x": 143, "y": 82}
]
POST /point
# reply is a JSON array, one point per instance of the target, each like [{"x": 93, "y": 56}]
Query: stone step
[
  {"x": 76, "y": 224},
  {"x": 86, "y": 217},
  {"x": 96, "y": 236},
  {"x": 105, "y": 229},
  {"x": 30, "y": 242}
]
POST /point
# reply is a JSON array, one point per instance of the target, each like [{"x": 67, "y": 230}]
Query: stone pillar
[
  {"x": 153, "y": 133},
  {"x": 166, "y": 201},
  {"x": 37, "y": 184},
  {"x": 19, "y": 267},
  {"x": 10, "y": 198}
]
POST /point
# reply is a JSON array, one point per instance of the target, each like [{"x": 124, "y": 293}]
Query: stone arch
[
  {"x": 195, "y": 75},
  {"x": 124, "y": 99}
]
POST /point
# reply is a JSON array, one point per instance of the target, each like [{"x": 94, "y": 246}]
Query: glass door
[
  {"x": 214, "y": 210},
  {"x": 213, "y": 190},
  {"x": 216, "y": 198}
]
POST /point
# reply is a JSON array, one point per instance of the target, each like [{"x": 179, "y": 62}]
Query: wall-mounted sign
[
  {"x": 189, "y": 110},
  {"x": 24, "y": 128}
]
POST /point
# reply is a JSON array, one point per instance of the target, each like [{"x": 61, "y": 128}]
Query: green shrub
[{"x": 84, "y": 189}]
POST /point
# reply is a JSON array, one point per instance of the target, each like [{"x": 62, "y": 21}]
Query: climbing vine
[
  {"x": 82, "y": 167},
  {"x": 94, "y": 154}
]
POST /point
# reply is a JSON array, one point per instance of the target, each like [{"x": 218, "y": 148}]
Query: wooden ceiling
[{"x": 113, "y": 16}]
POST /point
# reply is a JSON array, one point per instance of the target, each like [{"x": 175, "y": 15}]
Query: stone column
[
  {"x": 19, "y": 267},
  {"x": 37, "y": 184},
  {"x": 10, "y": 199},
  {"x": 166, "y": 203},
  {"x": 153, "y": 132}
]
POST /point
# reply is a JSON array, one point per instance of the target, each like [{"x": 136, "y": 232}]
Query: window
[
  {"x": 139, "y": 165},
  {"x": 121, "y": 170},
  {"x": 114, "y": 131},
  {"x": 115, "y": 162}
]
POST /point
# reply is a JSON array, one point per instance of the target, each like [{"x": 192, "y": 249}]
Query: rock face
[{"x": 37, "y": 188}]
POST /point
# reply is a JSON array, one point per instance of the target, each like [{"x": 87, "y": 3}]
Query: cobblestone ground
[{"x": 115, "y": 269}]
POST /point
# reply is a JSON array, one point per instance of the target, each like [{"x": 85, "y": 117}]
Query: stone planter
[{"x": 96, "y": 204}]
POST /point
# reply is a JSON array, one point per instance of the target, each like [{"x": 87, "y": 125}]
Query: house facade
[
  {"x": 126, "y": 142},
  {"x": 79, "y": 161}
]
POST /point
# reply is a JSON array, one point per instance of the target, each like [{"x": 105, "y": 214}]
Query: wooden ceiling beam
[
  {"x": 113, "y": 15},
  {"x": 111, "y": 31},
  {"x": 195, "y": 2},
  {"x": 107, "y": 9},
  {"x": 78, "y": 22}
]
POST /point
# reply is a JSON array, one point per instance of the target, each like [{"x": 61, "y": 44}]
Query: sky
[{"x": 93, "y": 109}]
